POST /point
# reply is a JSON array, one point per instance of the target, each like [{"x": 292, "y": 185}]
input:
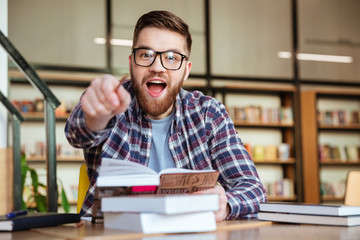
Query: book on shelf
[
  {"x": 339, "y": 117},
  {"x": 284, "y": 151},
  {"x": 339, "y": 153},
  {"x": 310, "y": 209},
  {"x": 259, "y": 114},
  {"x": 333, "y": 189},
  {"x": 259, "y": 153},
  {"x": 161, "y": 223},
  {"x": 37, "y": 220},
  {"x": 352, "y": 152},
  {"x": 121, "y": 177},
  {"x": 161, "y": 203},
  {"x": 281, "y": 188},
  {"x": 347, "y": 221},
  {"x": 271, "y": 153}
]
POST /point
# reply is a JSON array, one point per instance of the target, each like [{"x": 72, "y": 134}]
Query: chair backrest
[
  {"x": 352, "y": 192},
  {"x": 83, "y": 186}
]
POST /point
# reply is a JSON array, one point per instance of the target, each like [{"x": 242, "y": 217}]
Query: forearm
[
  {"x": 245, "y": 199},
  {"x": 240, "y": 180},
  {"x": 238, "y": 174}
]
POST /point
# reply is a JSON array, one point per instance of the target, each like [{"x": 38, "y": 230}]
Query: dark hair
[{"x": 163, "y": 20}]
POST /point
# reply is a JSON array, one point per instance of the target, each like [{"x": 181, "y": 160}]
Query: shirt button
[
  {"x": 146, "y": 136},
  {"x": 179, "y": 133}
]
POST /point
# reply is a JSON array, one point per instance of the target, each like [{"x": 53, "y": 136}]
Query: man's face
[{"x": 156, "y": 87}]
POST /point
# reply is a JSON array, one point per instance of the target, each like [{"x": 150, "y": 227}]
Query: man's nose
[{"x": 157, "y": 66}]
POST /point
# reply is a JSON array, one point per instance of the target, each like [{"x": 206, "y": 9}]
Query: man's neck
[{"x": 164, "y": 115}]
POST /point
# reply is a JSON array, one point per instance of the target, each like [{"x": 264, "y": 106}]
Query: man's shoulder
[{"x": 197, "y": 98}]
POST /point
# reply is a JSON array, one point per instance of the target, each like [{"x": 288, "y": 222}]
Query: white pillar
[{"x": 3, "y": 74}]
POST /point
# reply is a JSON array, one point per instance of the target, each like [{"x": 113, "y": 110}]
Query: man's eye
[
  {"x": 171, "y": 56},
  {"x": 146, "y": 55}
]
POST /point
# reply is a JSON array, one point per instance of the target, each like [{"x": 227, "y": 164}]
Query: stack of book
[
  {"x": 130, "y": 196},
  {"x": 161, "y": 213},
  {"x": 319, "y": 214}
]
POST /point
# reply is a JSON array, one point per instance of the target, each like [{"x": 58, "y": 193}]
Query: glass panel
[
  {"x": 58, "y": 32},
  {"x": 246, "y": 37},
  {"x": 336, "y": 31},
  {"x": 126, "y": 13}
]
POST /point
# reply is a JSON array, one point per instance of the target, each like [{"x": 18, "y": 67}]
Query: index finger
[{"x": 110, "y": 87}]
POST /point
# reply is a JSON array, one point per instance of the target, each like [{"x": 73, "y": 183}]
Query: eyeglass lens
[{"x": 169, "y": 60}]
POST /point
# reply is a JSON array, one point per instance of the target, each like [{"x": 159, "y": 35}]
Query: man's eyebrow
[
  {"x": 167, "y": 50},
  {"x": 143, "y": 46}
]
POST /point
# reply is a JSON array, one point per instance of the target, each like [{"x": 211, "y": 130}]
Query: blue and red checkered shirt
[{"x": 202, "y": 136}]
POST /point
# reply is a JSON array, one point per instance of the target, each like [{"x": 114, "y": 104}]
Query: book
[
  {"x": 37, "y": 220},
  {"x": 164, "y": 204},
  {"x": 310, "y": 219},
  {"x": 271, "y": 153},
  {"x": 352, "y": 153},
  {"x": 161, "y": 223},
  {"x": 259, "y": 153},
  {"x": 115, "y": 172},
  {"x": 121, "y": 177},
  {"x": 311, "y": 209},
  {"x": 284, "y": 151}
]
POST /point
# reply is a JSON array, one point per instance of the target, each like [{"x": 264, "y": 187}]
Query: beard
[{"x": 153, "y": 106}]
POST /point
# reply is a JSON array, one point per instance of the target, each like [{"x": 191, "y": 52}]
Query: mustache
[{"x": 155, "y": 75}]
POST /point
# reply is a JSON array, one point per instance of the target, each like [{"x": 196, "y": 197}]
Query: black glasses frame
[{"x": 159, "y": 53}]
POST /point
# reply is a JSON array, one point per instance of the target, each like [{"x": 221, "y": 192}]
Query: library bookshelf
[{"x": 323, "y": 140}]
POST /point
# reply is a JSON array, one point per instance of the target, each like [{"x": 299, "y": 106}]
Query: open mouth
[{"x": 155, "y": 87}]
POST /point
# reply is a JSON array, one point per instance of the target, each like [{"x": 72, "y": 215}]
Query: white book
[
  {"x": 165, "y": 204},
  {"x": 116, "y": 172},
  {"x": 313, "y": 209},
  {"x": 310, "y": 219},
  {"x": 161, "y": 223}
]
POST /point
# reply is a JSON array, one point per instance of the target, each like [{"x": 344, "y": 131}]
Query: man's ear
[{"x": 187, "y": 70}]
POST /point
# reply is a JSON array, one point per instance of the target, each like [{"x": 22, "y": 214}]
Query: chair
[
  {"x": 83, "y": 186},
  {"x": 352, "y": 192}
]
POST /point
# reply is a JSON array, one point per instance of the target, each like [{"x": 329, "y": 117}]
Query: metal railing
[
  {"x": 16, "y": 120},
  {"x": 51, "y": 103}
]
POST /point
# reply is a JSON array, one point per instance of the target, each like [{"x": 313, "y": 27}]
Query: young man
[{"x": 151, "y": 120}]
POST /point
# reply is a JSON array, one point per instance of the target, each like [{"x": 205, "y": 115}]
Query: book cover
[
  {"x": 161, "y": 223},
  {"x": 310, "y": 219},
  {"x": 159, "y": 203},
  {"x": 37, "y": 220},
  {"x": 310, "y": 209}
]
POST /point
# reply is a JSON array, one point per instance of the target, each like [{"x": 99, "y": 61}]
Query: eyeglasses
[{"x": 170, "y": 60}]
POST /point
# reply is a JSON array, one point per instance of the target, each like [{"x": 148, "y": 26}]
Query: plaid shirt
[{"x": 202, "y": 136}]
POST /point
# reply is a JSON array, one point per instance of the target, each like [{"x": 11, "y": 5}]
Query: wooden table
[{"x": 231, "y": 230}]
